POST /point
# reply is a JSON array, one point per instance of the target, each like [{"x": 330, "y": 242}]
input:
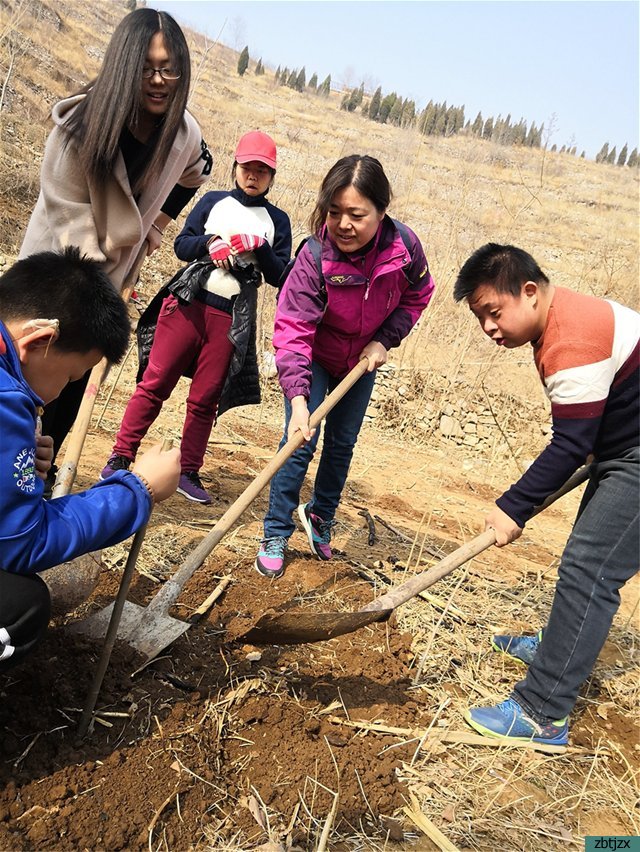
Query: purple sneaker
[
  {"x": 115, "y": 463},
  {"x": 270, "y": 559},
  {"x": 191, "y": 487},
  {"x": 318, "y": 532}
]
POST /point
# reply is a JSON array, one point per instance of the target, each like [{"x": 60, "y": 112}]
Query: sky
[{"x": 571, "y": 65}]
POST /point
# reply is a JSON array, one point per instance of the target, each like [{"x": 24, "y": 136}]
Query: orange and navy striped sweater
[{"x": 588, "y": 361}]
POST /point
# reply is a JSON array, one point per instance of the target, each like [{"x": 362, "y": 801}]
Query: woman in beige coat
[{"x": 123, "y": 159}]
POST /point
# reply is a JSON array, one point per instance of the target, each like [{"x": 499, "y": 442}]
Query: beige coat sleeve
[
  {"x": 200, "y": 162},
  {"x": 66, "y": 200}
]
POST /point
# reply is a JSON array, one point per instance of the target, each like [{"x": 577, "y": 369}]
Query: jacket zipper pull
[{"x": 366, "y": 292}]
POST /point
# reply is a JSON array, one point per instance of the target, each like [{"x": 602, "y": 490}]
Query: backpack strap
[
  {"x": 315, "y": 247},
  {"x": 404, "y": 233}
]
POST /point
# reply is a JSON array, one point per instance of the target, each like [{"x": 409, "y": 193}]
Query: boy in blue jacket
[{"x": 38, "y": 357}]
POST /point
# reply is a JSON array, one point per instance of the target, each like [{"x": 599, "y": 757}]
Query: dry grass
[{"x": 577, "y": 218}]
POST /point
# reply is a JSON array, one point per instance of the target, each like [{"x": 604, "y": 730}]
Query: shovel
[
  {"x": 150, "y": 629},
  {"x": 299, "y": 627}
]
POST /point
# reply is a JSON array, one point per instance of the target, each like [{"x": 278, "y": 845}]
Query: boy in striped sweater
[{"x": 587, "y": 354}]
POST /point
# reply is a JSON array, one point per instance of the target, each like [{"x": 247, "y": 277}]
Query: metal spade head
[
  {"x": 147, "y": 631},
  {"x": 299, "y": 627},
  {"x": 71, "y": 583}
]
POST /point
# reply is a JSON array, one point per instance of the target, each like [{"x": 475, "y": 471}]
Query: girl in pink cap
[{"x": 203, "y": 322}]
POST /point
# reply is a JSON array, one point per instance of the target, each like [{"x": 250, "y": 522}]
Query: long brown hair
[
  {"x": 363, "y": 172},
  {"x": 113, "y": 98}
]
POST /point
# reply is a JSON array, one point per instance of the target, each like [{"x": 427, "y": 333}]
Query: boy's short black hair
[
  {"x": 506, "y": 268},
  {"x": 76, "y": 291}
]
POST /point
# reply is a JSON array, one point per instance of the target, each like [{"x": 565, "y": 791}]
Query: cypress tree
[
  {"x": 259, "y": 69},
  {"x": 385, "y": 107},
  {"x": 603, "y": 153},
  {"x": 622, "y": 158},
  {"x": 440, "y": 124},
  {"x": 277, "y": 74},
  {"x": 408, "y": 113},
  {"x": 374, "y": 105},
  {"x": 243, "y": 60},
  {"x": 325, "y": 87},
  {"x": 632, "y": 162},
  {"x": 395, "y": 113},
  {"x": 428, "y": 119},
  {"x": 612, "y": 155},
  {"x": 487, "y": 131},
  {"x": 478, "y": 124},
  {"x": 313, "y": 82}
]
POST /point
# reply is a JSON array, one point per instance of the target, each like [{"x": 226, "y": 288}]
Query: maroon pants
[{"x": 193, "y": 334}]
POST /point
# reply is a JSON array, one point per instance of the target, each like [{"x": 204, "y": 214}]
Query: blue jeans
[
  {"x": 601, "y": 554},
  {"x": 341, "y": 429}
]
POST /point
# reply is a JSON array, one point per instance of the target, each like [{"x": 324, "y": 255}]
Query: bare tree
[{"x": 238, "y": 32}]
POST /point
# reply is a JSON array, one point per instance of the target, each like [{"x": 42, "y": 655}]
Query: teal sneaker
[
  {"x": 509, "y": 720},
  {"x": 520, "y": 648},
  {"x": 318, "y": 532},
  {"x": 270, "y": 559}
]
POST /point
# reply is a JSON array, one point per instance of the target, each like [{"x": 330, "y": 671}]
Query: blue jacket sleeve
[
  {"x": 273, "y": 259},
  {"x": 191, "y": 242},
  {"x": 36, "y": 534}
]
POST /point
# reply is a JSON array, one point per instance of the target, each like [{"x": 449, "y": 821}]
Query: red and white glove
[
  {"x": 219, "y": 251},
  {"x": 246, "y": 242}
]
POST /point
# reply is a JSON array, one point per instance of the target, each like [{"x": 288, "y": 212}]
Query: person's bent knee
[{"x": 25, "y": 611}]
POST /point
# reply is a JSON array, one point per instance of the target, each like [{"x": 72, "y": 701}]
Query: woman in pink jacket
[
  {"x": 123, "y": 159},
  {"x": 354, "y": 293}
]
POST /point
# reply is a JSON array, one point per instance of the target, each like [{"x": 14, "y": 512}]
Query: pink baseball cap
[{"x": 256, "y": 146}]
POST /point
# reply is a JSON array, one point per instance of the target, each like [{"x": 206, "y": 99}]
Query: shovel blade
[
  {"x": 298, "y": 628},
  {"x": 72, "y": 583},
  {"x": 147, "y": 632}
]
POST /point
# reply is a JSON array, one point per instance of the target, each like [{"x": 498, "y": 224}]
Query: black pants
[
  {"x": 25, "y": 609},
  {"x": 59, "y": 415}
]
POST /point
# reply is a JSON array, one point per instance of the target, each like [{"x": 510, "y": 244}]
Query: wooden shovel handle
[
  {"x": 69, "y": 467},
  {"x": 401, "y": 594},
  {"x": 114, "y": 621},
  {"x": 168, "y": 595}
]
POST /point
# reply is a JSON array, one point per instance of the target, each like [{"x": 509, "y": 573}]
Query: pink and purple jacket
[{"x": 377, "y": 296}]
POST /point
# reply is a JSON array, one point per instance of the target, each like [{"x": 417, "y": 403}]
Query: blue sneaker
[
  {"x": 318, "y": 532},
  {"x": 520, "y": 648},
  {"x": 270, "y": 559},
  {"x": 508, "y": 719}
]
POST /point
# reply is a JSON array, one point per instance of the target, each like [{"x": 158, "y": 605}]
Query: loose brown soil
[{"x": 220, "y": 744}]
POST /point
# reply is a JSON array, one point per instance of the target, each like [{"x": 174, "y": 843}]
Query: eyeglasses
[{"x": 165, "y": 73}]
